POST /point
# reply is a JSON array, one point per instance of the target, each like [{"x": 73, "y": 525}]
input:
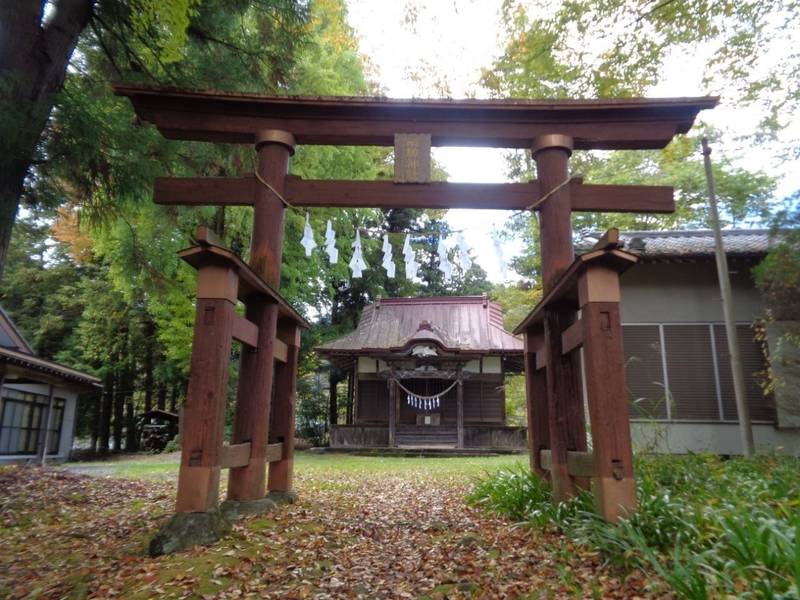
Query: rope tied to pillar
[
  {"x": 277, "y": 193},
  {"x": 551, "y": 192}
]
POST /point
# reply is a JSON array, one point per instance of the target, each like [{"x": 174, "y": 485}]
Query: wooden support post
[
  {"x": 460, "y": 410},
  {"x": 203, "y": 423},
  {"x": 564, "y": 399},
  {"x": 253, "y": 401},
  {"x": 48, "y": 425},
  {"x": 551, "y": 153},
  {"x": 355, "y": 391},
  {"x": 251, "y": 420},
  {"x": 536, "y": 398},
  {"x": 350, "y": 405},
  {"x": 392, "y": 410},
  {"x": 266, "y": 246},
  {"x": 283, "y": 413},
  {"x": 333, "y": 404},
  {"x": 564, "y": 402},
  {"x": 613, "y": 482}
]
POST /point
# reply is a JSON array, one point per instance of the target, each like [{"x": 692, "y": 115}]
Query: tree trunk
[
  {"x": 161, "y": 398},
  {"x": 149, "y": 333},
  {"x": 33, "y": 60},
  {"x": 131, "y": 437},
  {"x": 173, "y": 399},
  {"x": 119, "y": 414}
]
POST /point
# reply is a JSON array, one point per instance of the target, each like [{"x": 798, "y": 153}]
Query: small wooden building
[
  {"x": 427, "y": 372},
  {"x": 38, "y": 400}
]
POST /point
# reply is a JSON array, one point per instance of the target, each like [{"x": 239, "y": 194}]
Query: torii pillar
[
  {"x": 563, "y": 400},
  {"x": 254, "y": 399}
]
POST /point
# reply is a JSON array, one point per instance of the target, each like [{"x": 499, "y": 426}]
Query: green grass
[
  {"x": 708, "y": 528},
  {"x": 319, "y": 465}
]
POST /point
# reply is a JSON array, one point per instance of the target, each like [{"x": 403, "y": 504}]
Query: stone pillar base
[
  {"x": 233, "y": 510},
  {"x": 287, "y": 497},
  {"x": 187, "y": 529}
]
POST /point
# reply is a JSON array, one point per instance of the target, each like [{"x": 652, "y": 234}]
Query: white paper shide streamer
[
  {"x": 498, "y": 250},
  {"x": 307, "y": 241},
  {"x": 357, "y": 264},
  {"x": 388, "y": 263},
  {"x": 423, "y": 403},
  {"x": 463, "y": 253},
  {"x": 445, "y": 266},
  {"x": 330, "y": 244},
  {"x": 410, "y": 259}
]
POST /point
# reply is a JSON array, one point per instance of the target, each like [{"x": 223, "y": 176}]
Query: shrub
[{"x": 706, "y": 527}]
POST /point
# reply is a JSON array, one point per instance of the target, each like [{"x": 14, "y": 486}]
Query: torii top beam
[{"x": 607, "y": 124}]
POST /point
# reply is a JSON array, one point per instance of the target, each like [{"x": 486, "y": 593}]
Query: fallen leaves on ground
[{"x": 350, "y": 536}]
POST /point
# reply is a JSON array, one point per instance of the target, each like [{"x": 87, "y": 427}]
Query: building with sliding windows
[
  {"x": 38, "y": 400},
  {"x": 677, "y": 360}
]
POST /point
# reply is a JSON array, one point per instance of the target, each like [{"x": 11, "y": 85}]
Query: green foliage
[
  {"x": 94, "y": 280},
  {"x": 523, "y": 496},
  {"x": 167, "y": 22},
  {"x": 778, "y": 279},
  {"x": 615, "y": 49},
  {"x": 708, "y": 528},
  {"x": 618, "y": 48},
  {"x": 41, "y": 288},
  {"x": 778, "y": 275}
]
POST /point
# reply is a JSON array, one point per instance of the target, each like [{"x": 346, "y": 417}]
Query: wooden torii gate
[{"x": 550, "y": 129}]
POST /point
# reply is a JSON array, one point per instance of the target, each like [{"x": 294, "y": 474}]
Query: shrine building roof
[
  {"x": 458, "y": 324},
  {"x": 689, "y": 245}
]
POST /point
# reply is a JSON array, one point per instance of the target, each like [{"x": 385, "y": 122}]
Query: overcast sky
[{"x": 445, "y": 46}]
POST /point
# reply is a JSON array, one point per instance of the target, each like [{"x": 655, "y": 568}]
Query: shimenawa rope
[{"x": 437, "y": 395}]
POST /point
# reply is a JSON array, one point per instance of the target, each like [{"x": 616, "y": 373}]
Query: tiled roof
[
  {"x": 696, "y": 244},
  {"x": 459, "y": 323},
  {"x": 17, "y": 357}
]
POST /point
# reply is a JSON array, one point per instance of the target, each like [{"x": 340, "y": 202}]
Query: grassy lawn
[
  {"x": 365, "y": 527},
  {"x": 318, "y": 465}
]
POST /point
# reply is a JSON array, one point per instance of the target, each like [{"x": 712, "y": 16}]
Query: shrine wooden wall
[{"x": 484, "y": 400}]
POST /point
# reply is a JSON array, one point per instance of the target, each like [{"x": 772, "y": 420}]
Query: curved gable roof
[{"x": 457, "y": 323}]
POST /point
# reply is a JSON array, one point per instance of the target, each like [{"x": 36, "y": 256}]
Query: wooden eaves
[
  {"x": 15, "y": 361},
  {"x": 206, "y": 253},
  {"x": 610, "y": 124}
]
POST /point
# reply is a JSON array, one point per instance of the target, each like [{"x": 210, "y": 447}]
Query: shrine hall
[{"x": 427, "y": 373}]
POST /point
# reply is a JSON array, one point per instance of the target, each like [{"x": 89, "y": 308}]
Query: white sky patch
[{"x": 441, "y": 51}]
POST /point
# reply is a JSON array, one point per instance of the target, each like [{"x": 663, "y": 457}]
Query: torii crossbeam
[{"x": 275, "y": 124}]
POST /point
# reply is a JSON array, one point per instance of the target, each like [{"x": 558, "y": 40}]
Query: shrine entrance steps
[
  {"x": 426, "y": 436},
  {"x": 426, "y": 452}
]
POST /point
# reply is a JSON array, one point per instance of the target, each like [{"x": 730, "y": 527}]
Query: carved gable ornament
[{"x": 423, "y": 351}]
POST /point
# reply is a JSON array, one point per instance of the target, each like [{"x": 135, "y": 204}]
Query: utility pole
[{"x": 745, "y": 426}]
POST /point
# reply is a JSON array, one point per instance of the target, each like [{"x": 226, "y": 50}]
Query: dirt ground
[{"x": 363, "y": 528}]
